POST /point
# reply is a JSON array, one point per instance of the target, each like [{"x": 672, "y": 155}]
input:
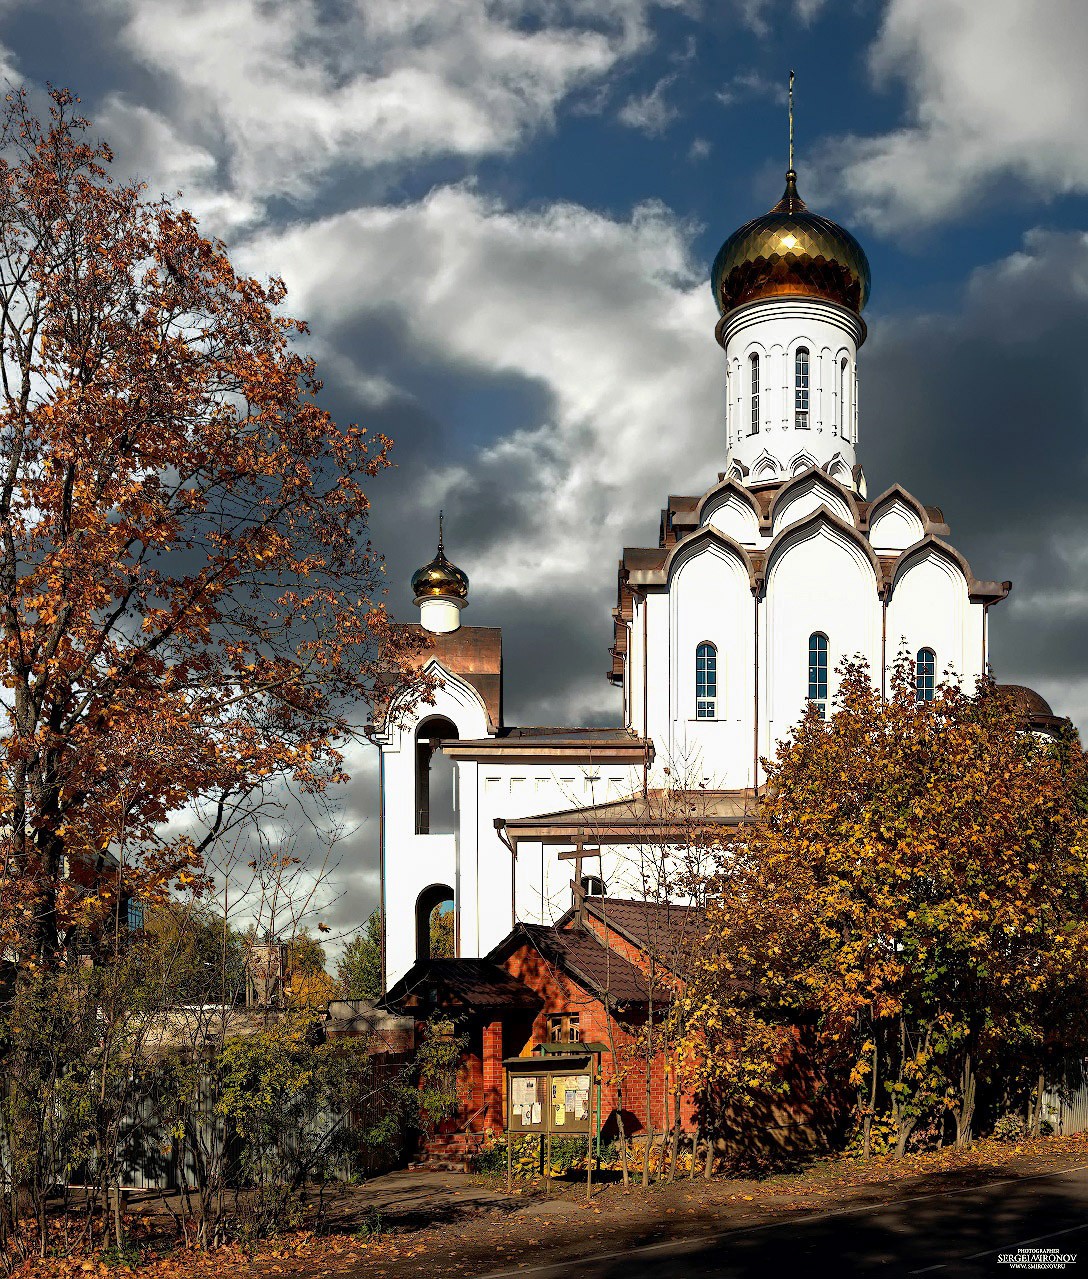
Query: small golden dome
[
  {"x": 439, "y": 577},
  {"x": 790, "y": 251}
]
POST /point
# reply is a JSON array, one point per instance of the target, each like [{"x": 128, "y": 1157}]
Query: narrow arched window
[
  {"x": 925, "y": 674},
  {"x": 706, "y": 682},
  {"x": 434, "y": 778},
  {"x": 753, "y": 365},
  {"x": 842, "y": 397},
  {"x": 800, "y": 388},
  {"x": 817, "y": 671}
]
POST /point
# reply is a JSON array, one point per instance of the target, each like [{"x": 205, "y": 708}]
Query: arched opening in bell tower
[
  {"x": 434, "y": 777},
  {"x": 435, "y": 923}
]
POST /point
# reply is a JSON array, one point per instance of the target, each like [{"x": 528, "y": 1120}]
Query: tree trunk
[
  {"x": 648, "y": 1147},
  {"x": 964, "y": 1115},
  {"x": 906, "y": 1127},
  {"x": 867, "y": 1124},
  {"x": 676, "y": 1127}
]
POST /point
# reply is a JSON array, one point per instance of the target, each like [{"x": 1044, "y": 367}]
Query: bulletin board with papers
[{"x": 558, "y": 1101}]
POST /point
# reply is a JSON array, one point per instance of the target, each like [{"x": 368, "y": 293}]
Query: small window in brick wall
[{"x": 563, "y": 1028}]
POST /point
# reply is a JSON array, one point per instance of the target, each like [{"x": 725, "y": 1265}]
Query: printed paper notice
[
  {"x": 560, "y": 1116},
  {"x": 534, "y": 1113},
  {"x": 524, "y": 1091}
]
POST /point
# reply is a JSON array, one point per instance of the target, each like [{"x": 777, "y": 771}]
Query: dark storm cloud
[{"x": 985, "y": 413}]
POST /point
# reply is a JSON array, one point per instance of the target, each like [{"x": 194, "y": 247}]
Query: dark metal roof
[{"x": 460, "y": 985}]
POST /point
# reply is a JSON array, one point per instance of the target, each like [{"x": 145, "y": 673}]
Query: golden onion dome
[
  {"x": 439, "y": 577},
  {"x": 790, "y": 251}
]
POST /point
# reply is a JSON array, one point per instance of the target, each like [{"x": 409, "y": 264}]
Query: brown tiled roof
[
  {"x": 459, "y": 985},
  {"x": 578, "y": 953},
  {"x": 663, "y": 930}
]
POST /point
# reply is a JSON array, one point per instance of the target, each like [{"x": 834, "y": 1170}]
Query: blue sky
[{"x": 499, "y": 215}]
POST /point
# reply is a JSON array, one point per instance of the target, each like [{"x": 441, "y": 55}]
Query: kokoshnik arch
[{"x": 756, "y": 590}]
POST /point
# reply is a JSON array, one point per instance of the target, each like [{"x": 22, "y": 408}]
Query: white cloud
[
  {"x": 288, "y": 91},
  {"x": 610, "y": 318},
  {"x": 751, "y": 84},
  {"x": 650, "y": 112},
  {"x": 147, "y": 146},
  {"x": 995, "y": 89}
]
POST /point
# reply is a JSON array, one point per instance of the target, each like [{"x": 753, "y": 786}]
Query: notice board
[{"x": 555, "y": 1101}]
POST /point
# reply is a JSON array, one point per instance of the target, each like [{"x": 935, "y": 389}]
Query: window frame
[
  {"x": 802, "y": 385},
  {"x": 706, "y": 680},
  {"x": 925, "y": 682},
  {"x": 818, "y": 666},
  {"x": 753, "y": 393}
]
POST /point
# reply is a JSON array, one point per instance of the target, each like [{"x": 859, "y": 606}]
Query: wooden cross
[{"x": 576, "y": 854}]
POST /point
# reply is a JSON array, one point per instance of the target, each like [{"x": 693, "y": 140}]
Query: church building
[{"x": 725, "y": 628}]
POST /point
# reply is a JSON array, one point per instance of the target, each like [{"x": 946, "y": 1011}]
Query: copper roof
[
  {"x": 599, "y": 744},
  {"x": 650, "y": 816}
]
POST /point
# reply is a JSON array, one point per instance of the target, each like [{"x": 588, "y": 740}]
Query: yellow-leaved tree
[{"x": 914, "y": 892}]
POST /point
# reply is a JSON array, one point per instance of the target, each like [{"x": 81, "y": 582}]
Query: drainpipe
[
  {"x": 645, "y": 688},
  {"x": 755, "y": 694},
  {"x": 500, "y": 830},
  {"x": 985, "y": 634},
  {"x": 883, "y": 646},
  {"x": 368, "y": 731}
]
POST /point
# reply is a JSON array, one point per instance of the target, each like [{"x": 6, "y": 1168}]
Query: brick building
[{"x": 598, "y": 976}]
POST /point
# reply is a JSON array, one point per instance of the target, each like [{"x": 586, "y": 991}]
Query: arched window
[
  {"x": 842, "y": 397},
  {"x": 435, "y": 923},
  {"x": 753, "y": 364},
  {"x": 706, "y": 682},
  {"x": 925, "y": 674},
  {"x": 593, "y": 885},
  {"x": 434, "y": 778},
  {"x": 800, "y": 388},
  {"x": 817, "y": 671}
]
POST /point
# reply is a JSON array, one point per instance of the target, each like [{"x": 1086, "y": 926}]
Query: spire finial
[
  {"x": 441, "y": 548},
  {"x": 791, "y": 121}
]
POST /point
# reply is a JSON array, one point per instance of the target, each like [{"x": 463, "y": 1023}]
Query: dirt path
[{"x": 475, "y": 1229}]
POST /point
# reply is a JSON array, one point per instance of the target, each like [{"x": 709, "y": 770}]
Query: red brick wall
[{"x": 563, "y": 995}]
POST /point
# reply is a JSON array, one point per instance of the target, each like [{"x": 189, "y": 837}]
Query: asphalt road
[{"x": 969, "y": 1232}]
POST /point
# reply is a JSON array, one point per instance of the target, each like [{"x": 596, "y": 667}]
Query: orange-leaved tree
[
  {"x": 189, "y": 603},
  {"x": 914, "y": 892}
]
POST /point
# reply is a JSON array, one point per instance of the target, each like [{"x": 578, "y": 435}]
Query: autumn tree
[
  {"x": 189, "y": 605},
  {"x": 914, "y": 889}
]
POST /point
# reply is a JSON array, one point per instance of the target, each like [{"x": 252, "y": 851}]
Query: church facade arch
[{"x": 822, "y": 577}]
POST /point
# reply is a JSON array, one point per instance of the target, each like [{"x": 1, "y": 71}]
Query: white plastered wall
[
  {"x": 894, "y": 526},
  {"x": 929, "y": 608},
  {"x": 710, "y": 600},
  {"x": 819, "y": 579},
  {"x": 807, "y": 496},
  {"x": 496, "y": 888},
  {"x": 415, "y": 862},
  {"x": 773, "y": 329}
]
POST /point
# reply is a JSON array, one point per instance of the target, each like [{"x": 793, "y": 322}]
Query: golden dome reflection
[
  {"x": 440, "y": 577},
  {"x": 790, "y": 251}
]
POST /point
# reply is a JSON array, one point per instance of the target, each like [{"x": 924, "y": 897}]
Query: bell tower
[{"x": 790, "y": 287}]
